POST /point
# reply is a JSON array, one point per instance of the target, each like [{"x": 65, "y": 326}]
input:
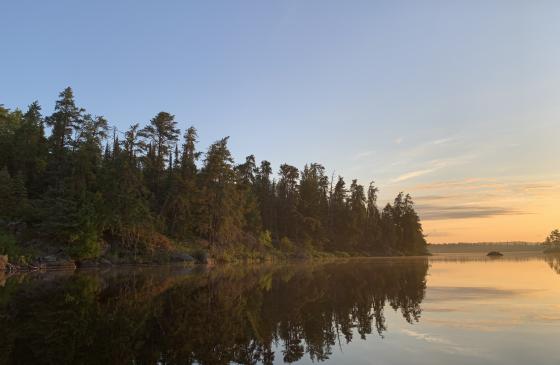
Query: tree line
[{"x": 84, "y": 184}]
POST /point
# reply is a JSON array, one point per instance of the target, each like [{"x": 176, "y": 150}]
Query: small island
[{"x": 494, "y": 254}]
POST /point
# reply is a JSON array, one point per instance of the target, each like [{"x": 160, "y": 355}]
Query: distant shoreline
[{"x": 486, "y": 247}]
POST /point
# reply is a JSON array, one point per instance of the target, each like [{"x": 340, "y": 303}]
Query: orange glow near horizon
[{"x": 488, "y": 211}]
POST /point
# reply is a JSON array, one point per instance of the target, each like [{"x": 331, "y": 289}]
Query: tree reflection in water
[
  {"x": 228, "y": 314},
  {"x": 553, "y": 260}
]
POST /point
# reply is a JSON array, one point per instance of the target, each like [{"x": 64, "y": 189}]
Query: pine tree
[
  {"x": 389, "y": 231},
  {"x": 372, "y": 229},
  {"x": 126, "y": 216},
  {"x": 32, "y": 149},
  {"x": 248, "y": 192},
  {"x": 66, "y": 118},
  {"x": 79, "y": 188},
  {"x": 288, "y": 220},
  {"x": 179, "y": 206},
  {"x": 358, "y": 215},
  {"x": 340, "y": 215},
  {"x": 221, "y": 210},
  {"x": 265, "y": 190},
  {"x": 313, "y": 205}
]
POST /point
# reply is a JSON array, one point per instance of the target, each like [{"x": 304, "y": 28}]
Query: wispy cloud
[
  {"x": 439, "y": 212},
  {"x": 429, "y": 198},
  {"x": 433, "y": 165},
  {"x": 363, "y": 154},
  {"x": 469, "y": 183},
  {"x": 399, "y": 140},
  {"x": 459, "y": 207},
  {"x": 443, "y": 140},
  {"x": 413, "y": 174},
  {"x": 529, "y": 188},
  {"x": 437, "y": 234},
  {"x": 429, "y": 147}
]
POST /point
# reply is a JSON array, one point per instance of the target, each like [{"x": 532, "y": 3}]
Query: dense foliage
[
  {"x": 71, "y": 179},
  {"x": 553, "y": 239}
]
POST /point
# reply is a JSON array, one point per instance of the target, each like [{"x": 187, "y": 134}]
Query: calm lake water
[{"x": 441, "y": 310}]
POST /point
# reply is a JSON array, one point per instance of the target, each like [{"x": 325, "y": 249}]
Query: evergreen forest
[{"x": 71, "y": 182}]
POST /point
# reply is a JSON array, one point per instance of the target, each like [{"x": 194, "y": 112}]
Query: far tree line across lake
[
  {"x": 551, "y": 244},
  {"x": 70, "y": 181}
]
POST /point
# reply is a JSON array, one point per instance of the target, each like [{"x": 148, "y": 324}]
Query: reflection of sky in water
[
  {"x": 477, "y": 311},
  {"x": 474, "y": 312}
]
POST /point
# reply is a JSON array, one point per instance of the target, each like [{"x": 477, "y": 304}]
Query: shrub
[
  {"x": 265, "y": 239},
  {"x": 85, "y": 245},
  {"x": 286, "y": 245}
]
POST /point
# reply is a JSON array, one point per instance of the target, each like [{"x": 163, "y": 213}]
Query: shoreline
[
  {"x": 190, "y": 262},
  {"x": 72, "y": 265}
]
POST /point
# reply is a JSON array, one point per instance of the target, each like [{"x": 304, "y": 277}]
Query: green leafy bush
[
  {"x": 265, "y": 238},
  {"x": 85, "y": 245}
]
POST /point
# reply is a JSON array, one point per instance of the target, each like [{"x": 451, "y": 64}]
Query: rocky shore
[{"x": 64, "y": 262}]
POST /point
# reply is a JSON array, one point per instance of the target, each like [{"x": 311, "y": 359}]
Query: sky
[{"x": 455, "y": 102}]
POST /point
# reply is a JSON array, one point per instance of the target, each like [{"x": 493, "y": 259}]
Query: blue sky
[{"x": 456, "y": 102}]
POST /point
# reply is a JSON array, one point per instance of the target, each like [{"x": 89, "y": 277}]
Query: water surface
[{"x": 442, "y": 310}]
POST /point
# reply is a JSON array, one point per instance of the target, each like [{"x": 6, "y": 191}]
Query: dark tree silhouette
[{"x": 86, "y": 186}]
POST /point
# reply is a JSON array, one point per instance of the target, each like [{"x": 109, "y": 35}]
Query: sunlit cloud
[
  {"x": 468, "y": 183},
  {"x": 437, "y": 234},
  {"x": 484, "y": 208},
  {"x": 432, "y": 197},
  {"x": 433, "y": 166},
  {"x": 438, "y": 212},
  {"x": 413, "y": 174},
  {"x": 532, "y": 187}
]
